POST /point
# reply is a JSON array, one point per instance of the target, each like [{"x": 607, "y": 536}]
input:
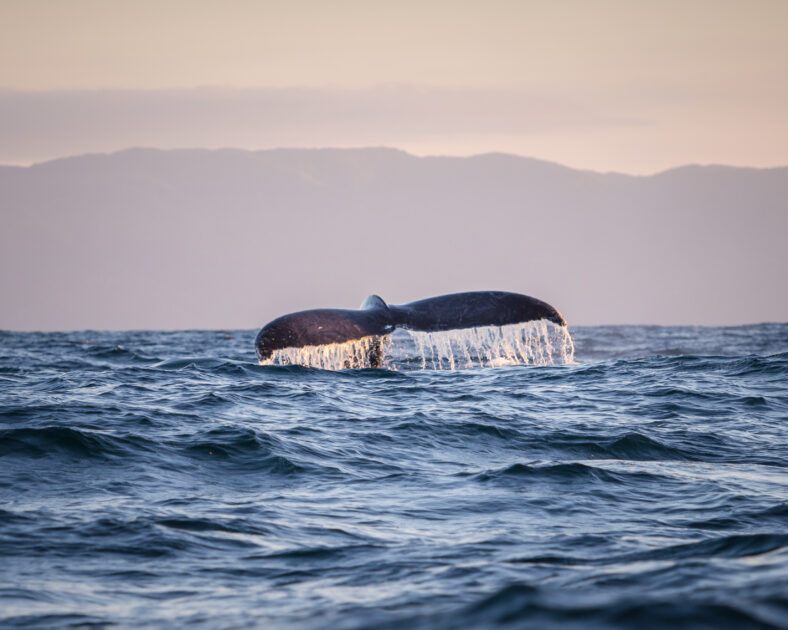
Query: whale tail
[
  {"x": 473, "y": 309},
  {"x": 376, "y": 319}
]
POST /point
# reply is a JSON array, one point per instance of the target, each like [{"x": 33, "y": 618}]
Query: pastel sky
[{"x": 635, "y": 87}]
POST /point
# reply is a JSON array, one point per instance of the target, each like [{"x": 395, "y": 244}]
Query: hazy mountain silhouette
[{"x": 229, "y": 238}]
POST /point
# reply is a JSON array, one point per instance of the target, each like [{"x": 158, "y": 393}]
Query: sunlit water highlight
[
  {"x": 165, "y": 480},
  {"x": 529, "y": 343}
]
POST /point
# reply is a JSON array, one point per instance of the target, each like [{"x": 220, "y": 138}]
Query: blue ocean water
[{"x": 164, "y": 479}]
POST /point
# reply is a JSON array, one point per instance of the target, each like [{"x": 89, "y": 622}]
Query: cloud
[{"x": 36, "y": 126}]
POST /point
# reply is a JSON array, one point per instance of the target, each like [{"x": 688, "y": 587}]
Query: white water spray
[
  {"x": 332, "y": 356},
  {"x": 529, "y": 343}
]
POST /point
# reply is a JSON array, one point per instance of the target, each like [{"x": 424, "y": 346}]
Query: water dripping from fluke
[{"x": 537, "y": 343}]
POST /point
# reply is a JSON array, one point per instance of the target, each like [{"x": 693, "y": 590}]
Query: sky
[{"x": 633, "y": 87}]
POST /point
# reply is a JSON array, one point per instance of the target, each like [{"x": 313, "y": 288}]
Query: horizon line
[{"x": 69, "y": 331}]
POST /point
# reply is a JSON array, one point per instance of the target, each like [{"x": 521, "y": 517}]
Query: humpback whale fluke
[{"x": 375, "y": 319}]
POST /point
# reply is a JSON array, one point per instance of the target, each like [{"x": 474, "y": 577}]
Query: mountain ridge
[
  {"x": 147, "y": 238},
  {"x": 390, "y": 150}
]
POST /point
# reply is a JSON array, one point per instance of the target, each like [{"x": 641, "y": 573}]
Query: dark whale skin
[{"x": 375, "y": 318}]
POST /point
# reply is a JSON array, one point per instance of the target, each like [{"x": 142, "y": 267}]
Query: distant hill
[{"x": 229, "y": 238}]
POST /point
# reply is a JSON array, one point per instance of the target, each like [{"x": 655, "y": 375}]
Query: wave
[
  {"x": 57, "y": 440},
  {"x": 57, "y": 621},
  {"x": 631, "y": 446},
  {"x": 522, "y": 605},
  {"x": 775, "y": 516},
  {"x": 561, "y": 473},
  {"x": 732, "y": 546}
]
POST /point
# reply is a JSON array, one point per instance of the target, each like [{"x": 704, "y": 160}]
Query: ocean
[{"x": 165, "y": 479}]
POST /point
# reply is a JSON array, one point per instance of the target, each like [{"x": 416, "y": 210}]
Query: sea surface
[{"x": 165, "y": 479}]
